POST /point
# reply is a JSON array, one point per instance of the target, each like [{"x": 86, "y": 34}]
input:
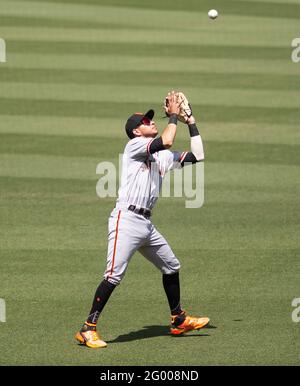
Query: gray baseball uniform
[{"x": 128, "y": 231}]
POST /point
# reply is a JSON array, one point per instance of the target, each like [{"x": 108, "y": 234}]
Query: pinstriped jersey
[{"x": 143, "y": 173}]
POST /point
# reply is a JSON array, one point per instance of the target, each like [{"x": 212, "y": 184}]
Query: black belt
[{"x": 144, "y": 212}]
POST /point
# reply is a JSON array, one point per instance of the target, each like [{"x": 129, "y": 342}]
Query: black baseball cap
[{"x": 135, "y": 120}]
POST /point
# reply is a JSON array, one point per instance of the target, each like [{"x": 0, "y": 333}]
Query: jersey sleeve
[{"x": 139, "y": 147}]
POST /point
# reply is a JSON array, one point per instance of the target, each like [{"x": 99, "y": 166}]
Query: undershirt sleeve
[
  {"x": 156, "y": 145},
  {"x": 189, "y": 158}
]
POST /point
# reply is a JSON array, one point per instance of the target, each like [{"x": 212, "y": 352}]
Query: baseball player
[{"x": 146, "y": 160}]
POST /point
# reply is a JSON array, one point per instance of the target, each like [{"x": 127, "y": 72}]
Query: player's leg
[
  {"x": 88, "y": 333},
  {"x": 158, "y": 251},
  {"x": 126, "y": 234}
]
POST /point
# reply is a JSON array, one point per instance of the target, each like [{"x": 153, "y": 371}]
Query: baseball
[{"x": 213, "y": 14}]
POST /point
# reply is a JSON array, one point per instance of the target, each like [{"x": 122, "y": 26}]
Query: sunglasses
[{"x": 146, "y": 121}]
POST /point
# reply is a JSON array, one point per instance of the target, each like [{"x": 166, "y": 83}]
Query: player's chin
[{"x": 155, "y": 132}]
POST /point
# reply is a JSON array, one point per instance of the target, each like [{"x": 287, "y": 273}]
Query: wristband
[
  {"x": 193, "y": 130},
  {"x": 173, "y": 119}
]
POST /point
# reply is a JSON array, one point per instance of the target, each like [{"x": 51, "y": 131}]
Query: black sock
[
  {"x": 172, "y": 289},
  {"x": 101, "y": 297}
]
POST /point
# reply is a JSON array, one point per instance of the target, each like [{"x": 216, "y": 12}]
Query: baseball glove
[{"x": 185, "y": 107}]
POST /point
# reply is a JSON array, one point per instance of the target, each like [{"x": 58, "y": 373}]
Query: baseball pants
[{"x": 129, "y": 232}]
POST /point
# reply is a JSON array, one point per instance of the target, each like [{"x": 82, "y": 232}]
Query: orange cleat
[
  {"x": 90, "y": 339},
  {"x": 190, "y": 323}
]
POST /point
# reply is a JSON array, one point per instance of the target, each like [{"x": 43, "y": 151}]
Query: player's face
[{"x": 148, "y": 128}]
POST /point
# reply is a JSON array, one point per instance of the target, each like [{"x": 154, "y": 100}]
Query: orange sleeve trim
[
  {"x": 183, "y": 155},
  {"x": 148, "y": 146}
]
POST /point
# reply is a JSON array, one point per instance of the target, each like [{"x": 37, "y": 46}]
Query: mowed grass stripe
[
  {"x": 21, "y": 20},
  {"x": 170, "y": 18},
  {"x": 272, "y": 133},
  {"x": 48, "y": 166},
  {"x": 82, "y": 190},
  {"x": 149, "y": 49},
  {"x": 218, "y": 37},
  {"x": 253, "y": 8},
  {"x": 90, "y": 109},
  {"x": 217, "y": 173},
  {"x": 217, "y": 151},
  {"x": 27, "y": 258},
  {"x": 65, "y": 23},
  {"x": 182, "y": 80},
  {"x": 124, "y": 62},
  {"x": 130, "y": 94},
  {"x": 43, "y": 187}
]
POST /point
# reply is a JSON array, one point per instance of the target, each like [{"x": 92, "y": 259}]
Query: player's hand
[
  {"x": 172, "y": 104},
  {"x": 185, "y": 108},
  {"x": 177, "y": 103}
]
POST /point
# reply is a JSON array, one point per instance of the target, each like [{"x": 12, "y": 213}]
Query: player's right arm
[
  {"x": 166, "y": 140},
  {"x": 169, "y": 132}
]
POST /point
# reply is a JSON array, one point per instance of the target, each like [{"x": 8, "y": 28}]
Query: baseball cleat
[
  {"x": 90, "y": 339},
  {"x": 190, "y": 323}
]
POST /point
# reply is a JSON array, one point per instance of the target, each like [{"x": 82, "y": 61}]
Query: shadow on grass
[{"x": 154, "y": 331}]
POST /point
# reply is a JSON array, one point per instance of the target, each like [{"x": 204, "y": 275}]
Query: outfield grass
[{"x": 75, "y": 71}]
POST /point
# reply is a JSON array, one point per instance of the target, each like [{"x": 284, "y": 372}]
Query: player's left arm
[{"x": 197, "y": 151}]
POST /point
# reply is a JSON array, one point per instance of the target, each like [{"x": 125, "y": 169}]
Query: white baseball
[{"x": 213, "y": 14}]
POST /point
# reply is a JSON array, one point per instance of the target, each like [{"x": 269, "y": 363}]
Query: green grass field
[{"x": 75, "y": 70}]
